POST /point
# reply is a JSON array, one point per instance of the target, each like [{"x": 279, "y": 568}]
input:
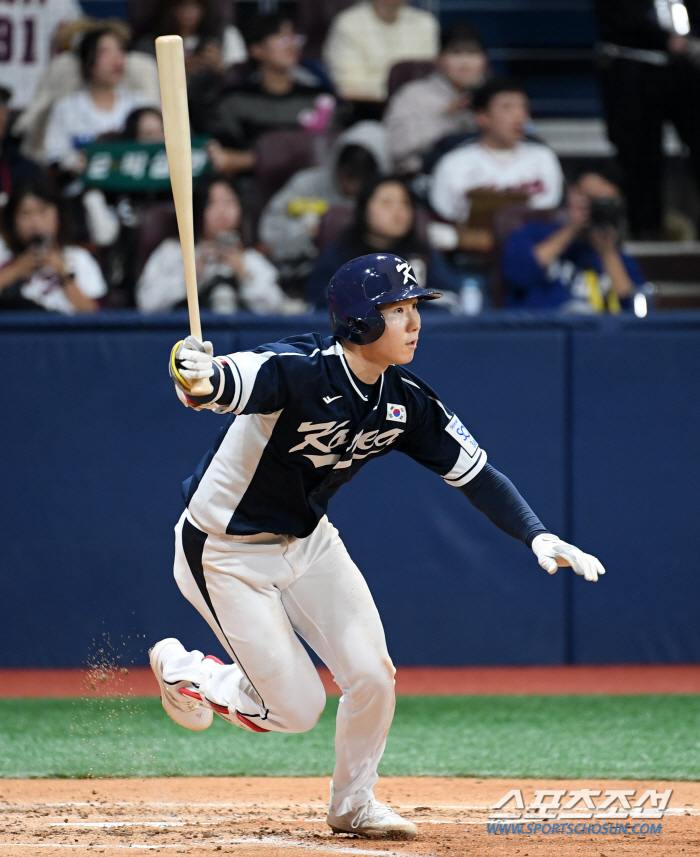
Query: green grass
[{"x": 645, "y": 737}]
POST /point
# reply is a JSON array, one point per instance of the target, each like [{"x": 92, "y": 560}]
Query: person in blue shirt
[
  {"x": 384, "y": 222},
  {"x": 576, "y": 265}
]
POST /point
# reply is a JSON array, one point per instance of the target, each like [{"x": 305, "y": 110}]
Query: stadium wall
[{"x": 597, "y": 421}]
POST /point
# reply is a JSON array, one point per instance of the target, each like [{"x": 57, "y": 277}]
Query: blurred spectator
[
  {"x": 229, "y": 276},
  {"x": 13, "y": 166},
  {"x": 500, "y": 160},
  {"x": 577, "y": 265},
  {"x": 367, "y": 39},
  {"x": 63, "y": 77},
  {"x": 208, "y": 43},
  {"x": 290, "y": 221},
  {"x": 28, "y": 30},
  {"x": 424, "y": 111},
  {"x": 40, "y": 269},
  {"x": 110, "y": 221},
  {"x": 100, "y": 108},
  {"x": 272, "y": 98},
  {"x": 650, "y": 75},
  {"x": 384, "y": 222}
]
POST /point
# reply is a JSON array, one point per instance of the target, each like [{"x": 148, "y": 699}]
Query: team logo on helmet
[{"x": 405, "y": 269}]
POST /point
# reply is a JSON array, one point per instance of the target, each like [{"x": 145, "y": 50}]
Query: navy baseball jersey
[{"x": 303, "y": 424}]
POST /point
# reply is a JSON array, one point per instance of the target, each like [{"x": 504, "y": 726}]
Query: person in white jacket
[{"x": 230, "y": 277}]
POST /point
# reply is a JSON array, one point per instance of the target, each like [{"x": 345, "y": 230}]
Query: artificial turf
[{"x": 634, "y": 737}]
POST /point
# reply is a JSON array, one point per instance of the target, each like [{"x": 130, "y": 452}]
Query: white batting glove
[
  {"x": 190, "y": 361},
  {"x": 552, "y": 552}
]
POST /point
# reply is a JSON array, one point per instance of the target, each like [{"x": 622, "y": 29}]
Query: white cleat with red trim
[{"x": 182, "y": 676}]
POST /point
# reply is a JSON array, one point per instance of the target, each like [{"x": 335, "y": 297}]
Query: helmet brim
[{"x": 407, "y": 294}]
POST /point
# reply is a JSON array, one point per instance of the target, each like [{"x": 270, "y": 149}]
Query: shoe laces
[{"x": 374, "y": 811}]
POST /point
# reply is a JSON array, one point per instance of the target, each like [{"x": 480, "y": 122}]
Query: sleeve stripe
[{"x": 461, "y": 478}]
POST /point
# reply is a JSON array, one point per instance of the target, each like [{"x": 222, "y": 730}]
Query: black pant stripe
[{"x": 193, "y": 545}]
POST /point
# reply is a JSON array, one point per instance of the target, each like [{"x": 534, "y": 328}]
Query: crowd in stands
[{"x": 391, "y": 136}]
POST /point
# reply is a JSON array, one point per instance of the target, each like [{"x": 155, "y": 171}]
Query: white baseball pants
[{"x": 257, "y": 593}]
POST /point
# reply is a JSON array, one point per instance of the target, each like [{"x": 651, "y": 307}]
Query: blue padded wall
[{"x": 596, "y": 422}]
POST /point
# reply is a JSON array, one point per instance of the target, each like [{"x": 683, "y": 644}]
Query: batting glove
[
  {"x": 552, "y": 552},
  {"x": 190, "y": 361}
]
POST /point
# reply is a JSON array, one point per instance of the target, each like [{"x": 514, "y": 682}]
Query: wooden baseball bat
[{"x": 176, "y": 124}]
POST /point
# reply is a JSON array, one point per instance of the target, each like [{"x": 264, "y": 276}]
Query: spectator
[
  {"x": 272, "y": 98},
  {"x": 102, "y": 106},
  {"x": 27, "y": 35},
  {"x": 384, "y": 222},
  {"x": 577, "y": 265},
  {"x": 40, "y": 269},
  {"x": 290, "y": 221},
  {"x": 13, "y": 166},
  {"x": 424, "y": 111},
  {"x": 367, "y": 39},
  {"x": 63, "y": 77},
  {"x": 111, "y": 220},
  {"x": 208, "y": 43},
  {"x": 500, "y": 160},
  {"x": 649, "y": 75},
  {"x": 229, "y": 276}
]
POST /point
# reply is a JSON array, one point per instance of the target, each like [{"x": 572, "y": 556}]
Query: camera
[{"x": 606, "y": 211}]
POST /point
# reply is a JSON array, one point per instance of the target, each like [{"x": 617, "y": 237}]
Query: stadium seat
[
  {"x": 406, "y": 71},
  {"x": 280, "y": 154},
  {"x": 314, "y": 20},
  {"x": 158, "y": 222}
]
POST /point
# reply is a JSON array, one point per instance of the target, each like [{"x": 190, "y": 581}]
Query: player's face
[
  {"x": 397, "y": 345},
  {"x": 505, "y": 118},
  {"x": 35, "y": 218},
  {"x": 223, "y": 211}
]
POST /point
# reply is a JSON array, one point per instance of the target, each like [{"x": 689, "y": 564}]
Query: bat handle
[{"x": 202, "y": 387}]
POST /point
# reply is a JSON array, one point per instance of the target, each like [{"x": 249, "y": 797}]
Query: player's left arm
[
  {"x": 495, "y": 495},
  {"x": 440, "y": 442}
]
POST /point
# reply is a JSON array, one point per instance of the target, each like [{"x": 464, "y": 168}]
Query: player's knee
[
  {"x": 375, "y": 680},
  {"x": 304, "y": 713}
]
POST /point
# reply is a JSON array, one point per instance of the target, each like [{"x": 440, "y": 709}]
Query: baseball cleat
[
  {"x": 375, "y": 821},
  {"x": 179, "y": 684}
]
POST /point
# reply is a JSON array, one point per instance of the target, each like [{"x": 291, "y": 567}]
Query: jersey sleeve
[
  {"x": 251, "y": 382},
  {"x": 439, "y": 441}
]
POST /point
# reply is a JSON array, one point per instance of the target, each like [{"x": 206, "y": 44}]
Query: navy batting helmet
[{"x": 360, "y": 285}]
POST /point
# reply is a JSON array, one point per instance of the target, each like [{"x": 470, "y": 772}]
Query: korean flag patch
[
  {"x": 462, "y": 436},
  {"x": 396, "y": 413}
]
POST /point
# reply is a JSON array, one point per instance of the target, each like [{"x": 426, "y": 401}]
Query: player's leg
[
  {"x": 331, "y": 607},
  {"x": 237, "y": 588}
]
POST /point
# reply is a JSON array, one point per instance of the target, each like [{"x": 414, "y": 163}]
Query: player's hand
[
  {"x": 190, "y": 361},
  {"x": 552, "y": 552}
]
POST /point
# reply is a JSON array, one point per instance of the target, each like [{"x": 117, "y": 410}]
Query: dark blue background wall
[{"x": 596, "y": 421}]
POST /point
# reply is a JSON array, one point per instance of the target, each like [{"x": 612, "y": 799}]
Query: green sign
[{"x": 130, "y": 166}]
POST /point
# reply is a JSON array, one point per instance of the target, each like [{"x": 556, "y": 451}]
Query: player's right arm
[{"x": 245, "y": 382}]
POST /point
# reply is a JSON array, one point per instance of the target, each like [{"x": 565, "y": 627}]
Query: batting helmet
[{"x": 360, "y": 285}]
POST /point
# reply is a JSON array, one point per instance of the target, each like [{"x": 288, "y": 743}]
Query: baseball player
[{"x": 256, "y": 554}]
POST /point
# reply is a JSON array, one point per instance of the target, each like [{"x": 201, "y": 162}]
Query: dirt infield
[
  {"x": 410, "y": 681},
  {"x": 260, "y": 817}
]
